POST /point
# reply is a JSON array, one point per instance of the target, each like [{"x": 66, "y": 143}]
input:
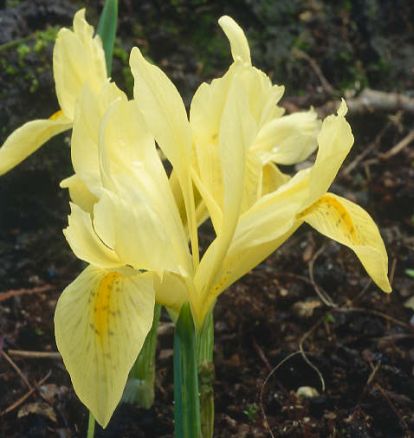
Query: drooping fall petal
[
  {"x": 101, "y": 322},
  {"x": 28, "y": 138},
  {"x": 350, "y": 225}
]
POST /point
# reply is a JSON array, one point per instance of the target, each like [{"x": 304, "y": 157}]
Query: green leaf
[
  {"x": 410, "y": 272},
  {"x": 107, "y": 30}
]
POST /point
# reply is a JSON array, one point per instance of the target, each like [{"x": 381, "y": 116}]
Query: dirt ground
[{"x": 306, "y": 346}]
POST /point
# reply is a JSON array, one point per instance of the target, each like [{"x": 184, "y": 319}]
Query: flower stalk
[
  {"x": 205, "y": 347},
  {"x": 91, "y": 426},
  {"x": 186, "y": 389}
]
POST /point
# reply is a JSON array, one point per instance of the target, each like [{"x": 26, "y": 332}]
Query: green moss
[
  {"x": 34, "y": 84},
  {"x": 12, "y": 3},
  {"x": 22, "y": 51},
  {"x": 44, "y": 39}
]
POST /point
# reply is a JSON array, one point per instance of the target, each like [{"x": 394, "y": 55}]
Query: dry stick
[
  {"x": 373, "y": 373},
  {"x": 17, "y": 369},
  {"x": 262, "y": 355},
  {"x": 305, "y": 358},
  {"x": 327, "y": 87},
  {"x": 348, "y": 169},
  {"x": 395, "y": 337},
  {"x": 272, "y": 372},
  {"x": 371, "y": 101},
  {"x": 22, "y": 399},
  {"x": 364, "y": 289},
  {"x": 392, "y": 270},
  {"x": 26, "y": 291},
  {"x": 392, "y": 406},
  {"x": 324, "y": 297},
  {"x": 393, "y": 151},
  {"x": 370, "y": 379},
  {"x": 373, "y": 312},
  {"x": 401, "y": 145},
  {"x": 266, "y": 423},
  {"x": 35, "y": 354}
]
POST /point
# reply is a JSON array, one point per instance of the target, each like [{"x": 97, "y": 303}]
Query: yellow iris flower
[
  {"x": 126, "y": 222},
  {"x": 234, "y": 138},
  {"x": 78, "y": 60}
]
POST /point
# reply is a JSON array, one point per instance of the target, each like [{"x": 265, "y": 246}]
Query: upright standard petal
[
  {"x": 141, "y": 194},
  {"x": 238, "y": 42},
  {"x": 101, "y": 322},
  {"x": 165, "y": 114},
  {"x": 350, "y": 225},
  {"x": 89, "y": 113},
  {"x": 78, "y": 58},
  {"x": 233, "y": 143},
  {"x": 260, "y": 99},
  {"x": 28, "y": 138},
  {"x": 163, "y": 110}
]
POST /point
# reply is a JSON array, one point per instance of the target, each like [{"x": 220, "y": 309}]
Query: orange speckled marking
[
  {"x": 330, "y": 206},
  {"x": 102, "y": 305},
  {"x": 56, "y": 115}
]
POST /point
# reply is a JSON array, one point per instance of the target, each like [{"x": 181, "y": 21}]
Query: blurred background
[{"x": 361, "y": 342}]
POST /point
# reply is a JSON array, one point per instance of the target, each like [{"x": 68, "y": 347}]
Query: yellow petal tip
[{"x": 343, "y": 108}]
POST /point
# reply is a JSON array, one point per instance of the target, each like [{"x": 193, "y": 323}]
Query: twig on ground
[
  {"x": 26, "y": 291},
  {"x": 266, "y": 381},
  {"x": 17, "y": 369},
  {"x": 373, "y": 312},
  {"x": 324, "y": 297},
  {"x": 367, "y": 150},
  {"x": 305, "y": 358},
  {"x": 401, "y": 145},
  {"x": 363, "y": 291},
  {"x": 35, "y": 354},
  {"x": 374, "y": 371},
  {"x": 273, "y": 371},
  {"x": 392, "y": 270},
  {"x": 327, "y": 87},
  {"x": 22, "y": 399},
  {"x": 261, "y": 354},
  {"x": 372, "y": 101},
  {"x": 392, "y": 406}
]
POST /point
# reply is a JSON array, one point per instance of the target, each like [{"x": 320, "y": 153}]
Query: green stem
[
  {"x": 107, "y": 30},
  {"x": 205, "y": 346},
  {"x": 186, "y": 396},
  {"x": 141, "y": 382},
  {"x": 91, "y": 426}
]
